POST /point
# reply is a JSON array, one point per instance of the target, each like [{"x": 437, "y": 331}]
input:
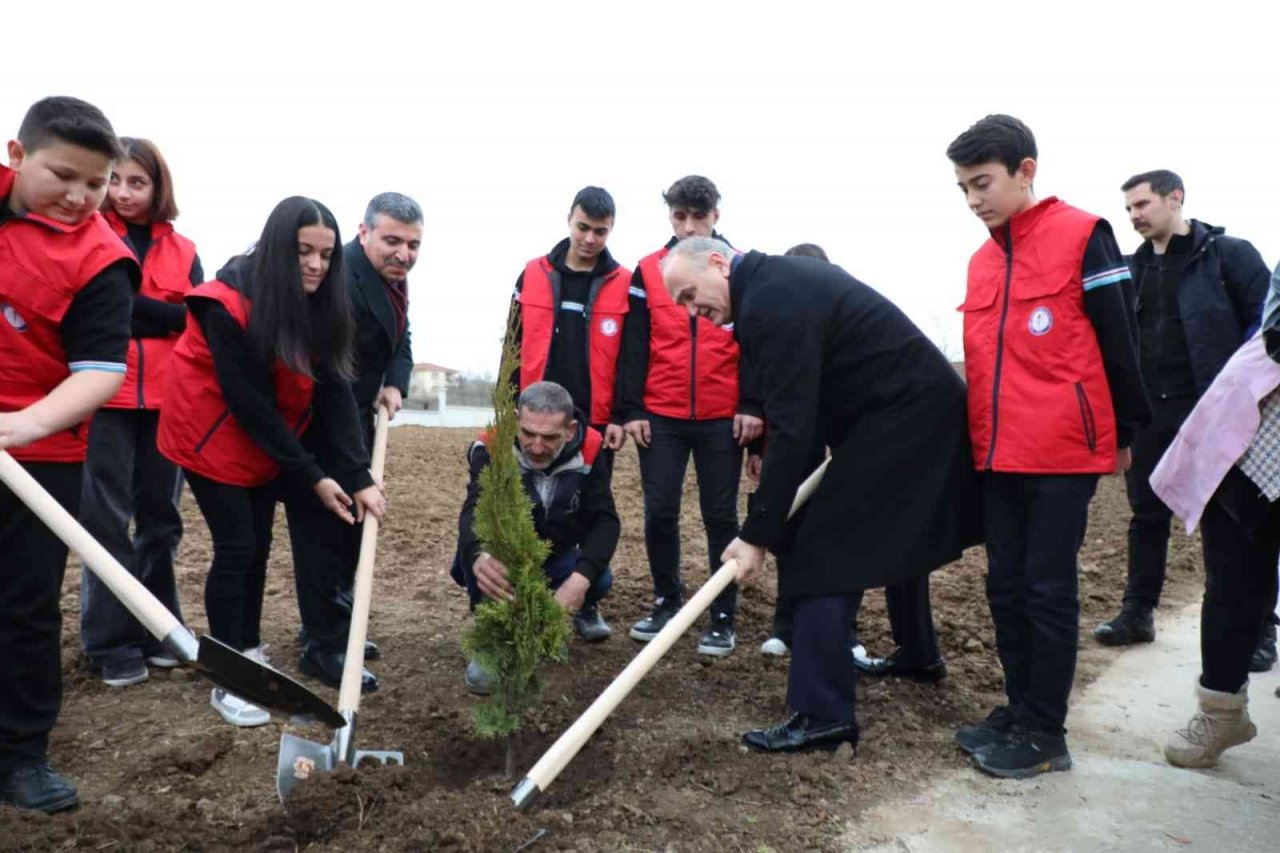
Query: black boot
[
  {"x": 1135, "y": 624},
  {"x": 1264, "y": 657},
  {"x": 802, "y": 733},
  {"x": 38, "y": 788}
]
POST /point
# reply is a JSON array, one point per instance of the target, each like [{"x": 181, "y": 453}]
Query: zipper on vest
[
  {"x": 142, "y": 401},
  {"x": 1004, "y": 313},
  {"x": 693, "y": 368},
  {"x": 208, "y": 435},
  {"x": 1086, "y": 418}
]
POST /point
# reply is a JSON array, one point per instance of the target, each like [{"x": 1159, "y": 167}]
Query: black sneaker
[
  {"x": 590, "y": 625},
  {"x": 1021, "y": 754},
  {"x": 1133, "y": 625},
  {"x": 38, "y": 788},
  {"x": 648, "y": 627},
  {"x": 719, "y": 639},
  {"x": 989, "y": 731},
  {"x": 122, "y": 673}
]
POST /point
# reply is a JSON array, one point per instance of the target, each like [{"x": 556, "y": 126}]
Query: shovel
[
  {"x": 217, "y": 661},
  {"x": 299, "y": 758},
  {"x": 557, "y": 757}
]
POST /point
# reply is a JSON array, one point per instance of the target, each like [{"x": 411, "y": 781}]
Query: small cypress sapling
[{"x": 511, "y": 639}]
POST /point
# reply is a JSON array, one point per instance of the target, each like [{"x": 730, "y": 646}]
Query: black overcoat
[{"x": 838, "y": 364}]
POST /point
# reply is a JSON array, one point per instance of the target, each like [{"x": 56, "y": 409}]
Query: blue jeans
[{"x": 558, "y": 567}]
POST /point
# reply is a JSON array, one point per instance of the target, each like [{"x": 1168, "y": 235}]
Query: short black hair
[
  {"x": 994, "y": 139},
  {"x": 694, "y": 192},
  {"x": 595, "y": 202},
  {"x": 65, "y": 119},
  {"x": 1162, "y": 182},
  {"x": 807, "y": 250}
]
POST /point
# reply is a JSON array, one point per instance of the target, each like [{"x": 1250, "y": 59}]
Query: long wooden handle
[
  {"x": 132, "y": 594},
  {"x": 349, "y": 692},
  {"x": 568, "y": 745}
]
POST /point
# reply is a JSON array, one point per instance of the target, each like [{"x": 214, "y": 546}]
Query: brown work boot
[{"x": 1221, "y": 723}]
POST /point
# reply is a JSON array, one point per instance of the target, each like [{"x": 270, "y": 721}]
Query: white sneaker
[
  {"x": 237, "y": 711},
  {"x": 860, "y": 653},
  {"x": 163, "y": 660},
  {"x": 259, "y": 654},
  {"x": 773, "y": 646}
]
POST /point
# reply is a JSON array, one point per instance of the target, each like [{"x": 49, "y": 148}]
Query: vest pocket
[
  {"x": 208, "y": 435},
  {"x": 1086, "y": 418}
]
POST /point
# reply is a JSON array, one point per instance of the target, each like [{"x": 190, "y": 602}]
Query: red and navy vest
[
  {"x": 166, "y": 277},
  {"x": 197, "y": 430},
  {"x": 605, "y": 312},
  {"x": 44, "y": 264},
  {"x": 693, "y": 364},
  {"x": 1039, "y": 402}
]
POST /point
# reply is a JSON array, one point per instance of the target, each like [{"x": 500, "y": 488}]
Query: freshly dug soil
[{"x": 158, "y": 770}]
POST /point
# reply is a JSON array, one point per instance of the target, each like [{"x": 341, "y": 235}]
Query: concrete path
[{"x": 1121, "y": 794}]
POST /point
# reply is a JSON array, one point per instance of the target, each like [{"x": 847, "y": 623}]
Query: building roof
[{"x": 434, "y": 368}]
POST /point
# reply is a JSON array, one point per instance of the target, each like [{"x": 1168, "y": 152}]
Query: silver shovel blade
[
  {"x": 261, "y": 685},
  {"x": 300, "y": 759}
]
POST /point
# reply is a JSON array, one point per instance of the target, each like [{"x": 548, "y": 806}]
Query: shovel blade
[
  {"x": 382, "y": 756},
  {"x": 262, "y": 685},
  {"x": 300, "y": 759}
]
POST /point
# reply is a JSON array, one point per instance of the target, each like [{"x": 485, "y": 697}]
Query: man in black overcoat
[
  {"x": 840, "y": 365},
  {"x": 325, "y": 550}
]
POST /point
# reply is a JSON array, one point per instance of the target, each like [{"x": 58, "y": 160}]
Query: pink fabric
[{"x": 1216, "y": 433}]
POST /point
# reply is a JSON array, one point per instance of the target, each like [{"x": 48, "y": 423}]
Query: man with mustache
[
  {"x": 1199, "y": 297},
  {"x": 378, "y": 263}
]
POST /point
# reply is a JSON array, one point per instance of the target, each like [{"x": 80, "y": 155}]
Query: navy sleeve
[
  {"x": 1108, "y": 302},
  {"x": 468, "y": 544},
  {"x": 196, "y": 276},
  {"x": 1247, "y": 280},
  {"x": 602, "y": 528},
  {"x": 95, "y": 328},
  {"x": 335, "y": 413}
]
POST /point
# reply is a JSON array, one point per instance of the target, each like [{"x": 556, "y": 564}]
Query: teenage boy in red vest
[
  {"x": 1055, "y": 396},
  {"x": 681, "y": 395},
  {"x": 66, "y": 282},
  {"x": 568, "y": 307}
]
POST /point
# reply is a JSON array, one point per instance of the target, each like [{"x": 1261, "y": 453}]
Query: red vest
[
  {"x": 607, "y": 308},
  {"x": 693, "y": 366},
  {"x": 43, "y": 265},
  {"x": 166, "y": 276},
  {"x": 197, "y": 430},
  {"x": 1039, "y": 402}
]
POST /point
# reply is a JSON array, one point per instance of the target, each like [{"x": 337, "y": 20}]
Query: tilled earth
[{"x": 158, "y": 770}]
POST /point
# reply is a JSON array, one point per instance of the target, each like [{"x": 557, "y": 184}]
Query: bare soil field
[{"x": 158, "y": 770}]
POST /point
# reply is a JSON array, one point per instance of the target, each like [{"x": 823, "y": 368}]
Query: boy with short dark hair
[
  {"x": 1055, "y": 396},
  {"x": 66, "y": 282}
]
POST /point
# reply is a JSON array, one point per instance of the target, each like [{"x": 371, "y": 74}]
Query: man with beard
[
  {"x": 837, "y": 364},
  {"x": 378, "y": 263}
]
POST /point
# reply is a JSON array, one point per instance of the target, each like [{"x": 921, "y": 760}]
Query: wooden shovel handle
[
  {"x": 349, "y": 692},
  {"x": 132, "y": 594},
  {"x": 567, "y": 746}
]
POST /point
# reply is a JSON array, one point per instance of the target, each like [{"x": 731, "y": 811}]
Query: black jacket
[
  {"x": 382, "y": 357},
  {"x": 572, "y": 507},
  {"x": 839, "y": 365},
  {"x": 1220, "y": 296}
]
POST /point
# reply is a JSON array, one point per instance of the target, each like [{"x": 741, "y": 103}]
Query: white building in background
[{"x": 429, "y": 384}]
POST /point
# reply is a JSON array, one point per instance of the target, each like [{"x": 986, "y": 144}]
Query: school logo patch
[
  {"x": 608, "y": 327},
  {"x": 1040, "y": 322},
  {"x": 15, "y": 319}
]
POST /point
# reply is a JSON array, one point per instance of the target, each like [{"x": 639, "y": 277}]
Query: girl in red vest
[
  {"x": 125, "y": 476},
  {"x": 267, "y": 349}
]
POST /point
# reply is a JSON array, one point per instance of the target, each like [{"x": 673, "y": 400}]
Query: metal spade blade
[{"x": 260, "y": 684}]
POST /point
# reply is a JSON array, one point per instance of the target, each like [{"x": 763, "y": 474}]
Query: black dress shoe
[
  {"x": 371, "y": 650},
  {"x": 802, "y": 734},
  {"x": 1132, "y": 625},
  {"x": 930, "y": 673},
  {"x": 327, "y": 667},
  {"x": 38, "y": 788}
]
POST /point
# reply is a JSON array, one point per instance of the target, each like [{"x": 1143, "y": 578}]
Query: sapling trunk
[{"x": 512, "y": 639}]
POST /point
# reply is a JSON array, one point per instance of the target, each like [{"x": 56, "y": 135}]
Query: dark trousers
[
  {"x": 1239, "y": 590},
  {"x": 325, "y": 552},
  {"x": 127, "y": 479},
  {"x": 1149, "y": 526},
  {"x": 32, "y": 561},
  {"x": 239, "y": 522},
  {"x": 822, "y": 679},
  {"x": 1035, "y": 525},
  {"x": 558, "y": 567},
  {"x": 717, "y": 459},
  {"x": 910, "y": 620}
]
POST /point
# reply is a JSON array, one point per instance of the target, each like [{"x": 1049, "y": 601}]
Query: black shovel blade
[{"x": 262, "y": 685}]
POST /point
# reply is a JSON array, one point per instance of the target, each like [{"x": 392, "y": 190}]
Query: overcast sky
[{"x": 819, "y": 122}]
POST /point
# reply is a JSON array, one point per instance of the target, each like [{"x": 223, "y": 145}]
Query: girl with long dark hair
[
  {"x": 125, "y": 476},
  {"x": 267, "y": 351}
]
